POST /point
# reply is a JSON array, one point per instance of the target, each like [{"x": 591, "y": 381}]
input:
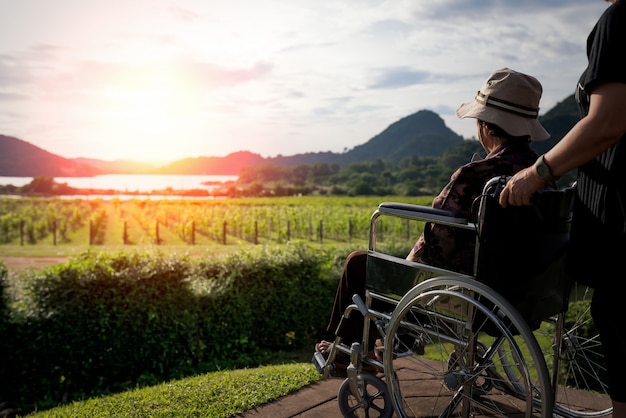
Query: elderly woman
[{"x": 506, "y": 110}]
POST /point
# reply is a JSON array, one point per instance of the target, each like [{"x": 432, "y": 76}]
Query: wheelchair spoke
[
  {"x": 576, "y": 359},
  {"x": 466, "y": 362}
]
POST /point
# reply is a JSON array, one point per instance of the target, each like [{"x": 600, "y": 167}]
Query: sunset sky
[{"x": 160, "y": 80}]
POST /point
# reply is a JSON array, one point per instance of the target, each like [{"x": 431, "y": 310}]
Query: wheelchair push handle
[{"x": 548, "y": 204}]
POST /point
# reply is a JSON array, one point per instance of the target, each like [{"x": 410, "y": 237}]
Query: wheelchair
[{"x": 514, "y": 339}]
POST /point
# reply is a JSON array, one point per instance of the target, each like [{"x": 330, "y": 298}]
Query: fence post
[
  {"x": 408, "y": 230},
  {"x": 321, "y": 231},
  {"x": 224, "y": 233},
  {"x": 193, "y": 232},
  {"x": 256, "y": 232},
  {"x": 54, "y": 232},
  {"x": 90, "y": 232},
  {"x": 125, "y": 236},
  {"x": 158, "y": 238},
  {"x": 288, "y": 230},
  {"x": 350, "y": 226},
  {"x": 22, "y": 232}
]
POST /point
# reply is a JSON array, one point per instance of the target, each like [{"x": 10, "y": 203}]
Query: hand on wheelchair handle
[{"x": 521, "y": 188}]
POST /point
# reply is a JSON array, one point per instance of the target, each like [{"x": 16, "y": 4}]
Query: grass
[
  {"x": 45, "y": 249},
  {"x": 217, "y": 394},
  {"x": 69, "y": 250}
]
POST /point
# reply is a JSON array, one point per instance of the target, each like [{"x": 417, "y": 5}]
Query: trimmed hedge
[{"x": 102, "y": 323}]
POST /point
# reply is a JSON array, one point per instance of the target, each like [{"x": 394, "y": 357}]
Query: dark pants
[
  {"x": 352, "y": 281},
  {"x": 607, "y": 312}
]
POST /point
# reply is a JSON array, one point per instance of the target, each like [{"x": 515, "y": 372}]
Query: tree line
[{"x": 410, "y": 176}]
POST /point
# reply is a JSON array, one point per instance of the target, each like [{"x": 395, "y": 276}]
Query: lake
[{"x": 142, "y": 183}]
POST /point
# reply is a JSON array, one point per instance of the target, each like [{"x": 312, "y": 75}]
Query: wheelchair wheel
[
  {"x": 454, "y": 347},
  {"x": 374, "y": 396},
  {"x": 574, "y": 355}
]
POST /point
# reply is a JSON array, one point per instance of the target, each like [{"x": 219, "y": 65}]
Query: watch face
[{"x": 542, "y": 170}]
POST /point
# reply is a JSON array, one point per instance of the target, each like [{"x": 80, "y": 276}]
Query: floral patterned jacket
[{"x": 453, "y": 248}]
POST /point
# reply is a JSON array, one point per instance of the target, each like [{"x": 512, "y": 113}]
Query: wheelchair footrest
[{"x": 319, "y": 362}]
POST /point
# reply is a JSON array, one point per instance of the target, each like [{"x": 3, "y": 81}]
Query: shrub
[
  {"x": 102, "y": 323},
  {"x": 266, "y": 300}
]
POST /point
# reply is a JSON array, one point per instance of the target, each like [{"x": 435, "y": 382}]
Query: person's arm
[{"x": 602, "y": 127}]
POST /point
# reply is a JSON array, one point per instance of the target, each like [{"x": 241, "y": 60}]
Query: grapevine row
[{"x": 163, "y": 222}]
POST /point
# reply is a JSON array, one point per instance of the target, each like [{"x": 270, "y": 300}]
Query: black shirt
[{"x": 599, "y": 224}]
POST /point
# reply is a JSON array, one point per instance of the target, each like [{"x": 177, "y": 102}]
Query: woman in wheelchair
[{"x": 506, "y": 110}]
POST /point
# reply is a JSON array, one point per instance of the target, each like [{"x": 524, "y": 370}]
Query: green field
[{"x": 60, "y": 227}]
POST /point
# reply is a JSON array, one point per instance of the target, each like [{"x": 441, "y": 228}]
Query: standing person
[
  {"x": 506, "y": 110},
  {"x": 596, "y": 147}
]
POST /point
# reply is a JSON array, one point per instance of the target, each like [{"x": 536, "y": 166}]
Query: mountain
[
  {"x": 558, "y": 121},
  {"x": 117, "y": 166},
  {"x": 229, "y": 165},
  {"x": 421, "y": 134},
  {"x": 21, "y": 159}
]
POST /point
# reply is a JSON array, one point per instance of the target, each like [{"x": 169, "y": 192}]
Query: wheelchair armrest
[{"x": 426, "y": 213}]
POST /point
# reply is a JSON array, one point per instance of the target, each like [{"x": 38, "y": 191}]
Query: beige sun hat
[{"x": 510, "y": 100}]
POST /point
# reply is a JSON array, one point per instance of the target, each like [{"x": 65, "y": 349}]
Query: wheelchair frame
[{"x": 454, "y": 346}]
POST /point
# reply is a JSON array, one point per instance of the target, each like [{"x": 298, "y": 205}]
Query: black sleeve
[{"x": 606, "y": 48}]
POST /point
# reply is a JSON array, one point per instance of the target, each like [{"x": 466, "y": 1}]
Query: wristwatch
[{"x": 543, "y": 171}]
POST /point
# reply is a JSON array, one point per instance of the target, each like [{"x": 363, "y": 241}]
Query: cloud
[
  {"x": 481, "y": 9},
  {"x": 89, "y": 76},
  {"x": 22, "y": 68},
  {"x": 227, "y": 77},
  {"x": 389, "y": 27},
  {"x": 12, "y": 97},
  {"x": 183, "y": 14},
  {"x": 399, "y": 77},
  {"x": 11, "y": 74},
  {"x": 253, "y": 74}
]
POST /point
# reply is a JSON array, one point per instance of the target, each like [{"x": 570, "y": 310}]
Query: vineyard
[{"x": 322, "y": 219}]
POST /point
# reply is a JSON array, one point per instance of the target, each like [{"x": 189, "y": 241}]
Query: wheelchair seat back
[{"x": 521, "y": 251}]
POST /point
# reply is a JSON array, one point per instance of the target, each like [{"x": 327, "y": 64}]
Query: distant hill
[
  {"x": 229, "y": 165},
  {"x": 421, "y": 134},
  {"x": 558, "y": 121},
  {"x": 117, "y": 166},
  {"x": 19, "y": 158}
]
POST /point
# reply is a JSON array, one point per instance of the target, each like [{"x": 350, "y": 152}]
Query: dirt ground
[{"x": 21, "y": 263}]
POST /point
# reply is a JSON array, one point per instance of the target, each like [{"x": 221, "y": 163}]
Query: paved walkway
[
  {"x": 316, "y": 400},
  {"x": 320, "y": 400}
]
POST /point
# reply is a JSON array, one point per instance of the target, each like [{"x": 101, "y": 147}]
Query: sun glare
[{"x": 147, "y": 115}]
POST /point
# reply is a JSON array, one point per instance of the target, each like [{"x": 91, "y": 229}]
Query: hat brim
[{"x": 511, "y": 123}]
